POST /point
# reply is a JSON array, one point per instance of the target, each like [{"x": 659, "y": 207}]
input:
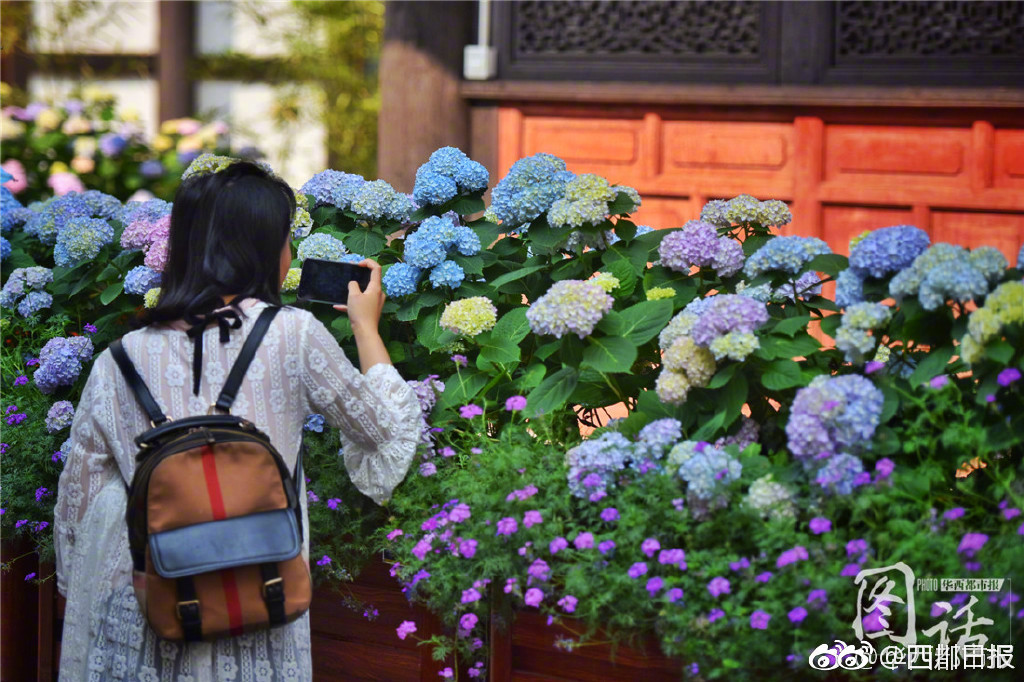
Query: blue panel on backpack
[{"x": 213, "y": 546}]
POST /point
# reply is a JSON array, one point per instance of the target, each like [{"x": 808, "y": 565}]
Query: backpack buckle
[
  {"x": 273, "y": 589},
  {"x": 188, "y": 611}
]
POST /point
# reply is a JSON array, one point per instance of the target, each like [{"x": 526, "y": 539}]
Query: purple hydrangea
[
  {"x": 333, "y": 188},
  {"x": 832, "y": 415},
  {"x": 697, "y": 244},
  {"x": 60, "y": 362},
  {"x": 59, "y": 416},
  {"x": 727, "y": 313}
]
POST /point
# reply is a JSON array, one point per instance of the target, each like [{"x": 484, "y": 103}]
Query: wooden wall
[{"x": 962, "y": 182}]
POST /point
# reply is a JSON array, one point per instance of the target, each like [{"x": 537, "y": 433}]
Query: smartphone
[{"x": 325, "y": 281}]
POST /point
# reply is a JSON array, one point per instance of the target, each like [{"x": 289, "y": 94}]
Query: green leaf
[
  {"x": 466, "y": 205},
  {"x": 622, "y": 204},
  {"x": 723, "y": 375},
  {"x": 609, "y": 354},
  {"x": 531, "y": 378},
  {"x": 933, "y": 364},
  {"x": 829, "y": 263},
  {"x": 410, "y": 309},
  {"x": 830, "y": 324},
  {"x": 1000, "y": 351},
  {"x": 429, "y": 332},
  {"x": 513, "y": 325},
  {"x": 547, "y": 350},
  {"x": 487, "y": 231},
  {"x": 572, "y": 350},
  {"x": 518, "y": 273},
  {"x": 639, "y": 323},
  {"x": 623, "y": 271},
  {"x": 497, "y": 348},
  {"x": 625, "y": 229},
  {"x": 782, "y": 374},
  {"x": 111, "y": 292},
  {"x": 552, "y": 393},
  {"x": 471, "y": 265},
  {"x": 363, "y": 241},
  {"x": 342, "y": 327},
  {"x": 461, "y": 388},
  {"x": 733, "y": 397},
  {"x": 324, "y": 215},
  {"x": 544, "y": 237},
  {"x": 709, "y": 427},
  {"x": 791, "y": 325}
]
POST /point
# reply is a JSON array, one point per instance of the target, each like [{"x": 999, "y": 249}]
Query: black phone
[{"x": 326, "y": 281}]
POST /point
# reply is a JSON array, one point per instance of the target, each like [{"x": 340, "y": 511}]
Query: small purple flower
[
  {"x": 510, "y": 585},
  {"x": 650, "y": 546},
  {"x": 507, "y": 526},
  {"x": 858, "y": 546},
  {"x": 557, "y": 544},
  {"x": 460, "y": 360},
  {"x": 850, "y": 570},
  {"x": 41, "y": 493},
  {"x": 678, "y": 503},
  {"x": 971, "y": 543},
  {"x": 763, "y": 577},
  {"x": 532, "y": 518},
  {"x": 719, "y": 586},
  {"x": 884, "y": 468},
  {"x": 447, "y": 451},
  {"x": 90, "y": 328},
  {"x": 420, "y": 575},
  {"x": 428, "y": 469},
  {"x": 715, "y": 614},
  {"x": 791, "y": 556},
  {"x": 467, "y": 548},
  {"x": 405, "y": 629},
  {"x": 759, "y": 620},
  {"x": 990, "y": 398},
  {"x": 655, "y": 584},
  {"x": 638, "y": 569},
  {"x": 939, "y": 381},
  {"x": 471, "y": 595},
  {"x": 873, "y": 367},
  {"x": 515, "y": 403},
  {"x": 797, "y": 615},
  {"x": 1011, "y": 513},
  {"x": 953, "y": 514},
  {"x": 459, "y": 513},
  {"x": 21, "y": 523},
  {"x": 609, "y": 514},
  {"x": 973, "y": 566},
  {"x": 333, "y": 502},
  {"x": 533, "y": 597},
  {"x": 1008, "y": 376},
  {"x": 608, "y": 545},
  {"x": 468, "y": 621},
  {"x": 395, "y": 533},
  {"x": 470, "y": 411},
  {"x": 29, "y": 576},
  {"x": 21, "y": 380},
  {"x": 674, "y": 595},
  {"x": 820, "y": 525},
  {"x": 584, "y": 541},
  {"x": 326, "y": 560},
  {"x": 568, "y": 603},
  {"x": 674, "y": 557},
  {"x": 739, "y": 565},
  {"x": 539, "y": 569},
  {"x": 312, "y": 496},
  {"x": 820, "y": 596}
]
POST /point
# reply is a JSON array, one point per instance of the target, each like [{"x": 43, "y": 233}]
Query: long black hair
[{"x": 227, "y": 233}]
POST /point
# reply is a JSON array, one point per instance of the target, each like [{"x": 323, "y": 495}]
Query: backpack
[{"x": 214, "y": 522}]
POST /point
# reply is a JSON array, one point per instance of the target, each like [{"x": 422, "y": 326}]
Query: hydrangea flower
[
  {"x": 945, "y": 271},
  {"x": 584, "y": 201},
  {"x": 570, "y": 305},
  {"x": 59, "y": 416},
  {"x": 840, "y": 473},
  {"x": 770, "y": 499},
  {"x": 785, "y": 254},
  {"x": 60, "y": 362},
  {"x": 1002, "y": 307},
  {"x": 469, "y": 316},
  {"x": 660, "y": 293},
  {"x": 708, "y": 469},
  {"x": 447, "y": 173},
  {"x": 33, "y": 302},
  {"x": 401, "y": 279},
  {"x": 141, "y": 279},
  {"x": 291, "y": 280},
  {"x": 23, "y": 281},
  {"x": 530, "y": 188},
  {"x": 448, "y": 274},
  {"x": 378, "y": 199},
  {"x": 887, "y": 250},
  {"x": 655, "y": 438},
  {"x": 322, "y": 246},
  {"x": 5, "y": 248},
  {"x": 725, "y": 313},
  {"x": 151, "y": 298},
  {"x": 333, "y": 188},
  {"x": 852, "y": 337},
  {"x": 833, "y": 415},
  {"x": 54, "y": 217},
  {"x": 849, "y": 288},
  {"x": 697, "y": 244},
  {"x": 746, "y": 209},
  {"x": 102, "y": 205},
  {"x": 302, "y": 223},
  {"x": 598, "y": 462}
]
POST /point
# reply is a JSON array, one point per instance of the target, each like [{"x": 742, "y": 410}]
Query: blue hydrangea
[
  {"x": 532, "y": 185},
  {"x": 849, "y": 288},
  {"x": 726, "y": 313},
  {"x": 595, "y": 464},
  {"x": 314, "y": 422},
  {"x": 708, "y": 470},
  {"x": 55, "y": 216},
  {"x": 655, "y": 438},
  {"x": 447, "y": 173},
  {"x": 352, "y": 258},
  {"x": 945, "y": 271},
  {"x": 888, "y": 250},
  {"x": 832, "y": 415},
  {"x": 428, "y": 246},
  {"x": 103, "y": 205},
  {"x": 141, "y": 279},
  {"x": 840, "y": 473},
  {"x": 401, "y": 279},
  {"x": 378, "y": 199},
  {"x": 8, "y": 210},
  {"x": 466, "y": 241},
  {"x": 151, "y": 169},
  {"x": 322, "y": 246},
  {"x": 333, "y": 188},
  {"x": 81, "y": 240},
  {"x": 1020, "y": 258},
  {"x": 5, "y": 248},
  {"x": 15, "y": 218},
  {"x": 61, "y": 361},
  {"x": 785, "y": 254},
  {"x": 447, "y": 274},
  {"x": 148, "y": 211},
  {"x": 33, "y": 302}
]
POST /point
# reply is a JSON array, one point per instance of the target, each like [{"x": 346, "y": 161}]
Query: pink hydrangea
[
  {"x": 19, "y": 181},
  {"x": 62, "y": 183}
]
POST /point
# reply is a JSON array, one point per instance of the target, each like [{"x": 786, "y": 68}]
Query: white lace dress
[{"x": 298, "y": 370}]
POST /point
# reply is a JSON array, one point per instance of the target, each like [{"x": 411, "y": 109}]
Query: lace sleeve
[
  {"x": 378, "y": 413},
  {"x": 89, "y": 465}
]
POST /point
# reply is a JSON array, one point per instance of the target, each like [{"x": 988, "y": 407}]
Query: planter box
[{"x": 527, "y": 651}]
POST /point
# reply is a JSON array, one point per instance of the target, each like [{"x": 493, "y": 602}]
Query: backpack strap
[
  {"x": 136, "y": 384},
  {"x": 248, "y": 352}
]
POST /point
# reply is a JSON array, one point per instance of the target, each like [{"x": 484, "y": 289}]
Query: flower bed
[{"x": 725, "y": 519}]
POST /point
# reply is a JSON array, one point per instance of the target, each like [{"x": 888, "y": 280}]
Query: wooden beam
[{"x": 177, "y": 42}]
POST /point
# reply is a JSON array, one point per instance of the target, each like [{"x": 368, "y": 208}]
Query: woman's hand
[{"x": 364, "y": 307}]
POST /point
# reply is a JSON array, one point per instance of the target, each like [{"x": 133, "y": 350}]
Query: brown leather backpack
[{"x": 214, "y": 521}]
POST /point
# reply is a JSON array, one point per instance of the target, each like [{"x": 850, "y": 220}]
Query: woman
[{"x": 229, "y": 252}]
